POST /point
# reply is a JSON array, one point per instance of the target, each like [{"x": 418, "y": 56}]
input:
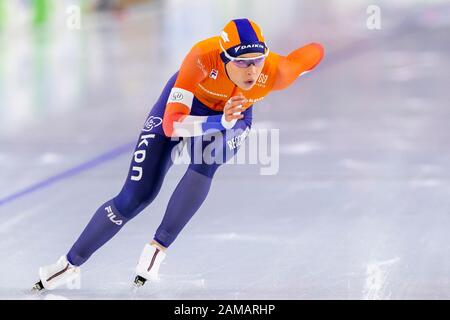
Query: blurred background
[{"x": 358, "y": 210}]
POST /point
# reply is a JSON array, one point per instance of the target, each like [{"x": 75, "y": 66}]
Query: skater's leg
[
  {"x": 132, "y": 199},
  {"x": 151, "y": 160},
  {"x": 187, "y": 198},
  {"x": 109, "y": 219},
  {"x": 190, "y": 193},
  {"x": 193, "y": 188},
  {"x": 182, "y": 205}
]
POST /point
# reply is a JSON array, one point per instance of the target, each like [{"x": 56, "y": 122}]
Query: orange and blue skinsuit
[
  {"x": 202, "y": 75},
  {"x": 190, "y": 106}
]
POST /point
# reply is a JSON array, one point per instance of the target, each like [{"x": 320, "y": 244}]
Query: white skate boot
[
  {"x": 148, "y": 265},
  {"x": 56, "y": 275}
]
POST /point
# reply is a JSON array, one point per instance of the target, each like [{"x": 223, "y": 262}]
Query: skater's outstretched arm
[{"x": 297, "y": 62}]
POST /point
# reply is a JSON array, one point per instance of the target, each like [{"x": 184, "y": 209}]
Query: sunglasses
[
  {"x": 241, "y": 63},
  {"x": 246, "y": 62}
]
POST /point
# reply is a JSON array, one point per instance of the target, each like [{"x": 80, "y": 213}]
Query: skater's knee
[{"x": 129, "y": 204}]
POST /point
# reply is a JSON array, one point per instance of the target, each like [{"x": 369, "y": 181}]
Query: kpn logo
[{"x": 152, "y": 122}]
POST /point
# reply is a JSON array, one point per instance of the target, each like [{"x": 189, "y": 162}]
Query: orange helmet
[{"x": 241, "y": 36}]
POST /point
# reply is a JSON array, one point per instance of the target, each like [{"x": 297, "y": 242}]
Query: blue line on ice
[{"x": 105, "y": 157}]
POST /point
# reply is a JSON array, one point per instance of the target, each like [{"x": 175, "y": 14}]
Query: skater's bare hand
[{"x": 233, "y": 107}]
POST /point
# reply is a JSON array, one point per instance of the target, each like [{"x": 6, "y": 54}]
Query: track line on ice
[{"x": 103, "y": 158}]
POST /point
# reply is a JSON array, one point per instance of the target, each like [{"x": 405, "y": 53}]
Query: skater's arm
[
  {"x": 192, "y": 71},
  {"x": 177, "y": 122},
  {"x": 296, "y": 63}
]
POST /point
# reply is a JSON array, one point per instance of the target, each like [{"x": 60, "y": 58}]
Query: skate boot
[
  {"x": 56, "y": 275},
  {"x": 148, "y": 265}
]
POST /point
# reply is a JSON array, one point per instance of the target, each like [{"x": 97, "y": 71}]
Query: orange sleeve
[
  {"x": 192, "y": 71},
  {"x": 301, "y": 60}
]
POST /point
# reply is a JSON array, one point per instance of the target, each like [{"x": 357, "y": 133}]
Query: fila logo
[
  {"x": 112, "y": 216},
  {"x": 213, "y": 74},
  {"x": 224, "y": 36},
  {"x": 139, "y": 156}
]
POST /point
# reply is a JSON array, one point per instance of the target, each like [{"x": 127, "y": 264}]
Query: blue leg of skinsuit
[
  {"x": 151, "y": 161},
  {"x": 193, "y": 188}
]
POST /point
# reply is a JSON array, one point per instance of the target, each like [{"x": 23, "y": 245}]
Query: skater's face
[{"x": 245, "y": 73}]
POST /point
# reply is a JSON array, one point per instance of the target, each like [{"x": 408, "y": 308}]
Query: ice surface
[{"x": 358, "y": 210}]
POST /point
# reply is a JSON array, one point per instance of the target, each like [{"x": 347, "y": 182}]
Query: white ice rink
[{"x": 360, "y": 207}]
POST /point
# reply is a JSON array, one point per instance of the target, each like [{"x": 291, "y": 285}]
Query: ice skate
[
  {"x": 56, "y": 275},
  {"x": 148, "y": 265}
]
